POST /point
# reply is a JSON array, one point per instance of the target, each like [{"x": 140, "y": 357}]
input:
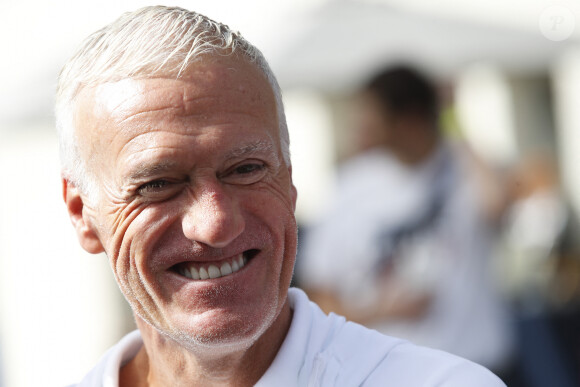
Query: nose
[{"x": 213, "y": 217}]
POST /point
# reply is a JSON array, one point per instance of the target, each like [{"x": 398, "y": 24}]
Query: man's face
[{"x": 193, "y": 184}]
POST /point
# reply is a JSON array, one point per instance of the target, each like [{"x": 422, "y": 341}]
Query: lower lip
[{"x": 224, "y": 293}]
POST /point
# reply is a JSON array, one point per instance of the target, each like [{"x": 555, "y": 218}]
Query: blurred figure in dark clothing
[{"x": 405, "y": 244}]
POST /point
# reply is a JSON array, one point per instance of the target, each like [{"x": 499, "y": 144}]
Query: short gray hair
[{"x": 152, "y": 41}]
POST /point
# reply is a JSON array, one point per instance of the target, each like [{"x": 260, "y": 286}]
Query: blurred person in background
[
  {"x": 175, "y": 163},
  {"x": 534, "y": 226},
  {"x": 405, "y": 245},
  {"x": 540, "y": 273}
]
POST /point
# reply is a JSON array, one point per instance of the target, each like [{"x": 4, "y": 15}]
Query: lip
[
  {"x": 227, "y": 292},
  {"x": 174, "y": 275},
  {"x": 165, "y": 256},
  {"x": 202, "y": 270}
]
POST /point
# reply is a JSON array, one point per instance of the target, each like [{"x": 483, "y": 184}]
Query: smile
[{"x": 196, "y": 271}]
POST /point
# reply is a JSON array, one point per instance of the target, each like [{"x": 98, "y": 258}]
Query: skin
[{"x": 191, "y": 170}]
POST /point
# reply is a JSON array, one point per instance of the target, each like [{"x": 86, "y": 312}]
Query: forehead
[
  {"x": 226, "y": 79},
  {"x": 214, "y": 93}
]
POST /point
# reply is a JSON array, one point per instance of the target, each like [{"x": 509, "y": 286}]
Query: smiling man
[{"x": 175, "y": 163}]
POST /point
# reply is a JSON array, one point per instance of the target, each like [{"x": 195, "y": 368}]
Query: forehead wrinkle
[
  {"x": 119, "y": 104},
  {"x": 135, "y": 101},
  {"x": 146, "y": 110},
  {"x": 192, "y": 98},
  {"x": 115, "y": 95},
  {"x": 196, "y": 105},
  {"x": 188, "y": 107},
  {"x": 171, "y": 103},
  {"x": 227, "y": 108}
]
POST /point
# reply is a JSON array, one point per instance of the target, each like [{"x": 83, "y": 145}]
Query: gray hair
[{"x": 152, "y": 41}]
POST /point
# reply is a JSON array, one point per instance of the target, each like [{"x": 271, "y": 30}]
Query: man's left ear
[{"x": 81, "y": 221}]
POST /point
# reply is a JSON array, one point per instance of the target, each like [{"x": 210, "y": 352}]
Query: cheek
[
  {"x": 135, "y": 237},
  {"x": 136, "y": 231},
  {"x": 278, "y": 217},
  {"x": 290, "y": 249}
]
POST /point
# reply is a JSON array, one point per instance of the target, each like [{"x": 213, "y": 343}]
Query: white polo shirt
[{"x": 325, "y": 350}]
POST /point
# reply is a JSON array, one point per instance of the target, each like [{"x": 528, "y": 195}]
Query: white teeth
[
  {"x": 226, "y": 269},
  {"x": 212, "y": 271},
  {"x": 185, "y": 272},
  {"x": 194, "y": 273}
]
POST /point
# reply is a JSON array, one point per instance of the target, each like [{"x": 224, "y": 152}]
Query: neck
[{"x": 163, "y": 361}]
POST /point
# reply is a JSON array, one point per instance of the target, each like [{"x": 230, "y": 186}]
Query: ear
[{"x": 83, "y": 224}]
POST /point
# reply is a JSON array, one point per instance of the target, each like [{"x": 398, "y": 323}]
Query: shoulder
[
  {"x": 377, "y": 358},
  {"x": 411, "y": 365},
  {"x": 344, "y": 353}
]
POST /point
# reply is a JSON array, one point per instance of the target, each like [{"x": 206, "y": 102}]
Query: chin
[
  {"x": 221, "y": 333},
  {"x": 219, "y": 341}
]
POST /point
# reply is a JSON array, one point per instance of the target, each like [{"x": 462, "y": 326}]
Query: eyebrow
[
  {"x": 252, "y": 148},
  {"x": 148, "y": 170}
]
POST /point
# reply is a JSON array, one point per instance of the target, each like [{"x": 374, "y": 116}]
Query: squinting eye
[
  {"x": 152, "y": 186},
  {"x": 158, "y": 189},
  {"x": 249, "y": 168},
  {"x": 245, "y": 174}
]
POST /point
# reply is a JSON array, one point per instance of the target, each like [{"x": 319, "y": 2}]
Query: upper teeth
[{"x": 197, "y": 272}]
